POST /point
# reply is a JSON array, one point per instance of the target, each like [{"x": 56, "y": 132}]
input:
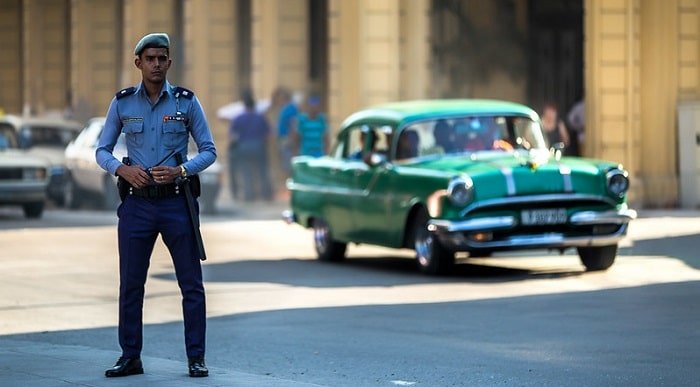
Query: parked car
[
  {"x": 23, "y": 177},
  {"x": 86, "y": 178},
  {"x": 449, "y": 176},
  {"x": 46, "y": 138}
]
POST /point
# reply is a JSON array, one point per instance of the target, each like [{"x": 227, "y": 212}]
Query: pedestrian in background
[
  {"x": 311, "y": 132},
  {"x": 233, "y": 163},
  {"x": 287, "y": 116},
  {"x": 252, "y": 131},
  {"x": 157, "y": 119},
  {"x": 577, "y": 124},
  {"x": 554, "y": 130}
]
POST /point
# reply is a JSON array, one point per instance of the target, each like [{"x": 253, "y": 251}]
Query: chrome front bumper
[
  {"x": 455, "y": 234},
  {"x": 288, "y": 216}
]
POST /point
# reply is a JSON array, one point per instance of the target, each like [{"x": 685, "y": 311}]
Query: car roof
[
  {"x": 400, "y": 113},
  {"x": 18, "y": 122}
]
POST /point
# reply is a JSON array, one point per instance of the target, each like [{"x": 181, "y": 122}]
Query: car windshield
[
  {"x": 8, "y": 138},
  {"x": 456, "y": 135},
  {"x": 48, "y": 136}
]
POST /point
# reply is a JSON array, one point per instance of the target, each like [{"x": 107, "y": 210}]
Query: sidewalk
[{"x": 29, "y": 363}]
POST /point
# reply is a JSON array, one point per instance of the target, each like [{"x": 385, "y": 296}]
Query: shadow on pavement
[
  {"x": 683, "y": 247},
  {"x": 380, "y": 271},
  {"x": 643, "y": 335}
]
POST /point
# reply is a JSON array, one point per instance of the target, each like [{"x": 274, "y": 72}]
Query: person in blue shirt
[
  {"x": 312, "y": 130},
  {"x": 157, "y": 119}
]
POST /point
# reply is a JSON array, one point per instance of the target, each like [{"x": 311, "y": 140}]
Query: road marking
[{"x": 402, "y": 383}]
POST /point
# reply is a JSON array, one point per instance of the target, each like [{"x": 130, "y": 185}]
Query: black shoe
[
  {"x": 197, "y": 367},
  {"x": 125, "y": 366}
]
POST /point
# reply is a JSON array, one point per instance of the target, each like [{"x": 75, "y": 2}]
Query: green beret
[{"x": 156, "y": 40}]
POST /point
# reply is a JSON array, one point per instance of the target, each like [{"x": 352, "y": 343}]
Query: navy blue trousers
[{"x": 140, "y": 222}]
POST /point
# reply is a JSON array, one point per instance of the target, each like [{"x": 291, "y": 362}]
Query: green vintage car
[{"x": 447, "y": 176}]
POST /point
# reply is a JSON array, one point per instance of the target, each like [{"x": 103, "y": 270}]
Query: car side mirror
[
  {"x": 375, "y": 159},
  {"x": 556, "y": 150}
]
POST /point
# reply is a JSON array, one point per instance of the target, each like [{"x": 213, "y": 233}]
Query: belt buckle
[{"x": 152, "y": 191}]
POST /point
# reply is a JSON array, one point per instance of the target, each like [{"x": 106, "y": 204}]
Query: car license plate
[{"x": 543, "y": 216}]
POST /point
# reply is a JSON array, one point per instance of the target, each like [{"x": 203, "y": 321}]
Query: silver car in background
[
  {"x": 23, "y": 177},
  {"x": 86, "y": 180},
  {"x": 46, "y": 137}
]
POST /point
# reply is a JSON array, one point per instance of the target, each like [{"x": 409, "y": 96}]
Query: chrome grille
[{"x": 10, "y": 173}]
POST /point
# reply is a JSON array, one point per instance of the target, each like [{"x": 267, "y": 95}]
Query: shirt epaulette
[
  {"x": 181, "y": 91},
  {"x": 125, "y": 92}
]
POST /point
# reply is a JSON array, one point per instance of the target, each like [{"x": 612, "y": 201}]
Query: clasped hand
[{"x": 139, "y": 177}]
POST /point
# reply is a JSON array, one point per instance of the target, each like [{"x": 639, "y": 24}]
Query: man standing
[
  {"x": 252, "y": 131},
  {"x": 157, "y": 119}
]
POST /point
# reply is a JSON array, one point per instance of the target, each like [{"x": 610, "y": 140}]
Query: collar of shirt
[{"x": 166, "y": 90}]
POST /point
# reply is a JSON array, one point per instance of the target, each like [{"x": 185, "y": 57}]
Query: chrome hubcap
[
  {"x": 68, "y": 193},
  {"x": 321, "y": 236},
  {"x": 424, "y": 246}
]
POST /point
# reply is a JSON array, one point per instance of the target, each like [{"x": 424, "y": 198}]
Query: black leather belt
[{"x": 160, "y": 191}]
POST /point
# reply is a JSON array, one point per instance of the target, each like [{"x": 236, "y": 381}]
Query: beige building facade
[{"x": 641, "y": 58}]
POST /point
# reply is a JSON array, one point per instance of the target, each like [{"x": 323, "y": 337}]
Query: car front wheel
[
  {"x": 431, "y": 256},
  {"x": 597, "y": 258},
  {"x": 327, "y": 249},
  {"x": 70, "y": 194},
  {"x": 33, "y": 210},
  {"x": 110, "y": 200}
]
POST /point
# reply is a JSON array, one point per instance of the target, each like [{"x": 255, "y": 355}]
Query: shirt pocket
[
  {"x": 133, "y": 130},
  {"x": 174, "y": 134}
]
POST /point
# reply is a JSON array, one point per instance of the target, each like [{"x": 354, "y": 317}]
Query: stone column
[
  {"x": 279, "y": 46},
  {"x": 210, "y": 42},
  {"x": 415, "y": 49},
  {"x": 46, "y": 56},
  {"x": 612, "y": 84},
  {"x": 11, "y": 57},
  {"x": 365, "y": 54},
  {"x": 140, "y": 18},
  {"x": 659, "y": 97},
  {"x": 95, "y": 56}
]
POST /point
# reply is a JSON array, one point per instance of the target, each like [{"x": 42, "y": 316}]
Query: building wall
[
  {"x": 209, "y": 60},
  {"x": 612, "y": 83},
  {"x": 11, "y": 56},
  {"x": 279, "y": 46},
  {"x": 95, "y": 56},
  {"x": 642, "y": 57},
  {"x": 46, "y": 72},
  {"x": 688, "y": 30},
  {"x": 379, "y": 52},
  {"x": 414, "y": 46}
]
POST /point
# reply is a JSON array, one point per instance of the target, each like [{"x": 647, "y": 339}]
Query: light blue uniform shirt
[{"x": 153, "y": 131}]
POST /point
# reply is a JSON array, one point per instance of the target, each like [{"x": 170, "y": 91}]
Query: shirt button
[
  {"x": 153, "y": 149},
  {"x": 153, "y": 129}
]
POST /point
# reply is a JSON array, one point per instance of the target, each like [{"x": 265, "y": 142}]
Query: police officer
[{"x": 157, "y": 119}]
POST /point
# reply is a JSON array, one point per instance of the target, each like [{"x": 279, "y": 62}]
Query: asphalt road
[{"x": 515, "y": 319}]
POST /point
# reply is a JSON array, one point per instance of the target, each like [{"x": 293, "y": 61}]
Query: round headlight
[
  {"x": 618, "y": 183},
  {"x": 460, "y": 191}
]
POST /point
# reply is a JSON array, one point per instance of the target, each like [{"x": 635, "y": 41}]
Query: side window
[
  {"x": 339, "y": 148},
  {"x": 379, "y": 141},
  {"x": 355, "y": 142}
]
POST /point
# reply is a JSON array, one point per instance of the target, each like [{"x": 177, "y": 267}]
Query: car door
[
  {"x": 88, "y": 175},
  {"x": 373, "y": 194},
  {"x": 338, "y": 179}
]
